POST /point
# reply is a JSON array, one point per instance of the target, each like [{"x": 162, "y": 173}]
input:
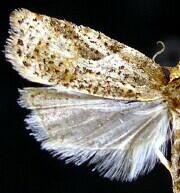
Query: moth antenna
[{"x": 160, "y": 51}]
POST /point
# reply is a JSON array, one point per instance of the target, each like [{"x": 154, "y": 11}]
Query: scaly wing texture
[
  {"x": 118, "y": 138},
  {"x": 56, "y": 52}
]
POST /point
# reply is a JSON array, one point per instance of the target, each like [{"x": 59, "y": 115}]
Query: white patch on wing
[{"x": 119, "y": 138}]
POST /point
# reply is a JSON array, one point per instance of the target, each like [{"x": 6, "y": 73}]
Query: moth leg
[{"x": 163, "y": 160}]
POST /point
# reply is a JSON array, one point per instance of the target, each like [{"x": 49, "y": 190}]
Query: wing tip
[
  {"x": 23, "y": 100},
  {"x": 14, "y": 47},
  {"x": 17, "y": 14},
  {"x": 11, "y": 47}
]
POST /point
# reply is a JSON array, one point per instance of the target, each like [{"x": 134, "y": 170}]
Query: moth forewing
[{"x": 56, "y": 52}]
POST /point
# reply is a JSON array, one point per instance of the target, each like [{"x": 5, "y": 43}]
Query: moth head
[{"x": 174, "y": 72}]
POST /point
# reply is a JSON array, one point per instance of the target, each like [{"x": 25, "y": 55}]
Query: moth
[{"x": 101, "y": 102}]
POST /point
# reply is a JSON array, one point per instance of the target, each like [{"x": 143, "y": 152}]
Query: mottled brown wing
[{"x": 56, "y": 52}]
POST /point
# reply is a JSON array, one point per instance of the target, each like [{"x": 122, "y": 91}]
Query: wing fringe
[{"x": 113, "y": 163}]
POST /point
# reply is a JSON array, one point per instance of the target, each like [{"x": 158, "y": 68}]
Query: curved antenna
[{"x": 160, "y": 51}]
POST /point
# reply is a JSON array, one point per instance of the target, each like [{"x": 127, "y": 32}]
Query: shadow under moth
[{"x": 104, "y": 103}]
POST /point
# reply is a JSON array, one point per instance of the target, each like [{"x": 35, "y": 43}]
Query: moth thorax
[{"x": 172, "y": 92}]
